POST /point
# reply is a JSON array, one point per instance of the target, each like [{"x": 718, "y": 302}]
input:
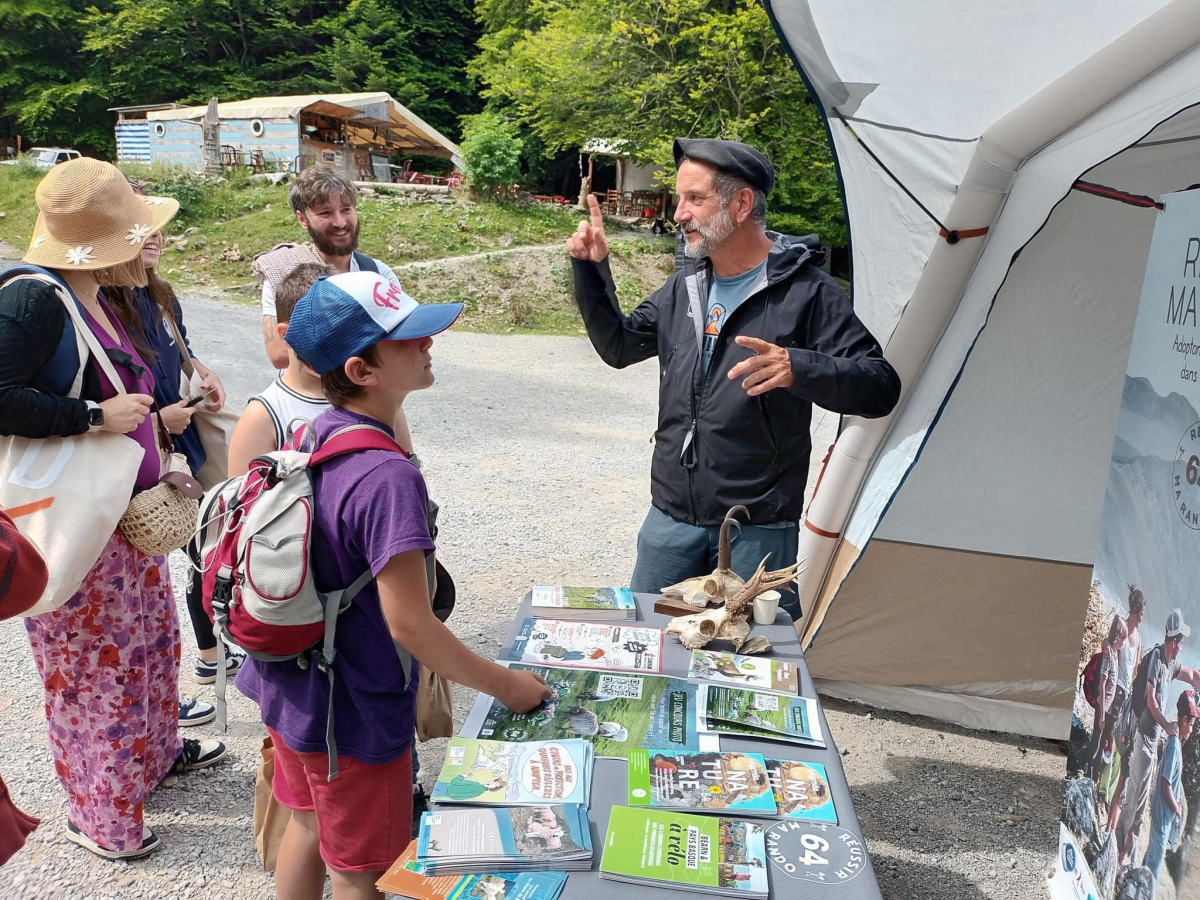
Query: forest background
[{"x": 553, "y": 74}]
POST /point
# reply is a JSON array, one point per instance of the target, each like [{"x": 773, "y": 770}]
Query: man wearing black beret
[{"x": 749, "y": 334}]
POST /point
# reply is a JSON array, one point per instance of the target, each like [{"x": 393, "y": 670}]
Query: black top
[
  {"x": 31, "y": 325},
  {"x": 717, "y": 447}
]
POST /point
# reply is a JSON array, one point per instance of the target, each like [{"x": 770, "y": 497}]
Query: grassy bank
[{"x": 518, "y": 290}]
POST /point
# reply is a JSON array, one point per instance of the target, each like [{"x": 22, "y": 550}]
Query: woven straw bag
[{"x": 162, "y": 518}]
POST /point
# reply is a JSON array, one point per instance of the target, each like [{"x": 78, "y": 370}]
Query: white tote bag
[
  {"x": 66, "y": 495},
  {"x": 215, "y": 429}
]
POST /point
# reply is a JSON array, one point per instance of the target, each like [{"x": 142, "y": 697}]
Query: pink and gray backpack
[{"x": 254, "y": 546}]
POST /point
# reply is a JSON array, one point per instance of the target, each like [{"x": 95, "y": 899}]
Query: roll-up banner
[{"x": 1133, "y": 773}]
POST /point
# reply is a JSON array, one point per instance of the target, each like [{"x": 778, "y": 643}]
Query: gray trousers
[{"x": 1142, "y": 764}]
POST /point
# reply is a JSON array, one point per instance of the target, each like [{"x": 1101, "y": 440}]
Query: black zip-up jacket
[{"x": 715, "y": 446}]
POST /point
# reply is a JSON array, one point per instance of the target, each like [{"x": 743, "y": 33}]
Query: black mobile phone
[{"x": 195, "y": 400}]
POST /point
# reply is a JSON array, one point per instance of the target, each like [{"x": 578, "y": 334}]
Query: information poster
[{"x": 1147, "y": 558}]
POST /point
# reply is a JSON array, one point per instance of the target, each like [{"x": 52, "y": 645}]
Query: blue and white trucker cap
[{"x": 342, "y": 315}]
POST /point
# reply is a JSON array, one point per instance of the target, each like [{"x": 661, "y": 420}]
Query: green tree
[
  {"x": 646, "y": 71},
  {"x": 492, "y": 153}
]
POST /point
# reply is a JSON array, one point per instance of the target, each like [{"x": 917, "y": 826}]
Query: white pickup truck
[{"x": 46, "y": 157}]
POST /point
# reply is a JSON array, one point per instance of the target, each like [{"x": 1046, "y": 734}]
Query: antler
[{"x": 759, "y": 582}]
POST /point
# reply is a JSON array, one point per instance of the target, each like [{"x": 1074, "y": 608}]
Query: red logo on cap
[{"x": 391, "y": 299}]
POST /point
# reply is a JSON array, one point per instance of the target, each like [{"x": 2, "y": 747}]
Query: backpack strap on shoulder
[
  {"x": 366, "y": 263},
  {"x": 335, "y": 603},
  {"x": 352, "y": 439}
]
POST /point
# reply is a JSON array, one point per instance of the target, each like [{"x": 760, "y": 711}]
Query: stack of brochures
[
  {"x": 756, "y": 673},
  {"x": 801, "y": 790},
  {"x": 588, "y": 645},
  {"x": 700, "y": 854},
  {"x": 519, "y": 839},
  {"x": 732, "y": 782},
  {"x": 760, "y": 715},
  {"x": 594, "y": 603},
  {"x": 529, "y": 773},
  {"x": 407, "y": 878}
]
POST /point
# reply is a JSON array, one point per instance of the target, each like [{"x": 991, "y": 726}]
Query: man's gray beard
[{"x": 712, "y": 235}]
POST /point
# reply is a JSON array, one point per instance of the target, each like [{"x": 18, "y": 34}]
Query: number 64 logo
[{"x": 814, "y": 852}]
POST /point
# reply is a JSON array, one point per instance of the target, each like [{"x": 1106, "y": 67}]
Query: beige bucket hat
[{"x": 89, "y": 217}]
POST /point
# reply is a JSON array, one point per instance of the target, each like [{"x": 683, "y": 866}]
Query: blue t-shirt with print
[{"x": 724, "y": 296}]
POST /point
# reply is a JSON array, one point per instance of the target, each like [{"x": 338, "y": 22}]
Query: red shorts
[{"x": 364, "y": 816}]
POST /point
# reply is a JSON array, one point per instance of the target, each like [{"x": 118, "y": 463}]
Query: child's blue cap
[{"x": 342, "y": 315}]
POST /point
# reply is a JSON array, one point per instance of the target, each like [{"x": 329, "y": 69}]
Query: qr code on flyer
[
  {"x": 620, "y": 686},
  {"x": 768, "y": 702}
]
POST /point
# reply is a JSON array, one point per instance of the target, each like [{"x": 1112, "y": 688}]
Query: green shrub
[{"x": 492, "y": 153}]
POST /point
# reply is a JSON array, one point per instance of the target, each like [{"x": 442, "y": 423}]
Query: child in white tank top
[{"x": 293, "y": 397}]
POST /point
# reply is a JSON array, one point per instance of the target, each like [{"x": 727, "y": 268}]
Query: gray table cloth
[{"x": 803, "y": 860}]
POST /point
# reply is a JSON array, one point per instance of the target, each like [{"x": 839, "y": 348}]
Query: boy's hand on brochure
[{"x": 523, "y": 691}]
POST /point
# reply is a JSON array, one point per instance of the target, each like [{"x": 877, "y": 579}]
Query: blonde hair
[{"x": 131, "y": 274}]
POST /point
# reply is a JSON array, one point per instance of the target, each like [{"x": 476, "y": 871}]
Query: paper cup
[{"x": 766, "y": 605}]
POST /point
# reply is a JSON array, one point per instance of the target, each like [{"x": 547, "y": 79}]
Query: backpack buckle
[
  {"x": 325, "y": 658},
  {"x": 222, "y": 593}
]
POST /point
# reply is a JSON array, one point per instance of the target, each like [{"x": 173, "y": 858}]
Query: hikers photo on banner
[{"x": 1133, "y": 771}]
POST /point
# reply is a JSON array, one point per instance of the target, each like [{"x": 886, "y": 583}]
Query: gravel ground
[{"x": 540, "y": 456}]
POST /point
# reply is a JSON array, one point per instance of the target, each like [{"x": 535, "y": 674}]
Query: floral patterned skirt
[{"x": 109, "y": 661}]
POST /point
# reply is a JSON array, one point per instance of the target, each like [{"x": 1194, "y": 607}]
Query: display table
[{"x": 841, "y": 871}]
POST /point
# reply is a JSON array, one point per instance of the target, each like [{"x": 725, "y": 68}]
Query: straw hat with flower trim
[{"x": 89, "y": 217}]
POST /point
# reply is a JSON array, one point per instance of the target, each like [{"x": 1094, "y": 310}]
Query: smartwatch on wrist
[{"x": 95, "y": 416}]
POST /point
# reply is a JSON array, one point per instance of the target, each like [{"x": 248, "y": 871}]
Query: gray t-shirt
[
  {"x": 724, "y": 296},
  {"x": 1159, "y": 675}
]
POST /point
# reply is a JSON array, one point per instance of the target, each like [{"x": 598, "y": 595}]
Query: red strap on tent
[
  {"x": 1100, "y": 190},
  {"x": 953, "y": 237},
  {"x": 834, "y": 535}
]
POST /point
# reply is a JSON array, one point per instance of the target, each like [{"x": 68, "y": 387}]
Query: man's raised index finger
[
  {"x": 594, "y": 209},
  {"x": 753, "y": 343}
]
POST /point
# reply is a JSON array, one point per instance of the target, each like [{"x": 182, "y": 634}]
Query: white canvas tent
[{"x": 950, "y": 545}]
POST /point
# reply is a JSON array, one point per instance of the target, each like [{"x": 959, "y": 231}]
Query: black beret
[{"x": 733, "y": 157}]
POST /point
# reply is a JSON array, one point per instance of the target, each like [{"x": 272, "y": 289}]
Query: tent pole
[{"x": 1051, "y": 112}]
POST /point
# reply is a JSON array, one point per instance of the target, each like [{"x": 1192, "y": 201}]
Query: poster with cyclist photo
[{"x": 1133, "y": 780}]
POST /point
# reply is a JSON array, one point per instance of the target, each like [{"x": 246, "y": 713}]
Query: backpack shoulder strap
[
  {"x": 366, "y": 263},
  {"x": 352, "y": 439}
]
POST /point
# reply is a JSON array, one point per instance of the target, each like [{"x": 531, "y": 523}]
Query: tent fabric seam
[
  {"x": 967, "y": 357},
  {"x": 837, "y": 162}
]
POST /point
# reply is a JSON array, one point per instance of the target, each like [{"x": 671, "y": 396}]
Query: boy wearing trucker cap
[{"x": 369, "y": 342}]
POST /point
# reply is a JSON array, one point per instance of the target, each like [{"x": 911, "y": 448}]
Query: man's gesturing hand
[
  {"x": 588, "y": 241},
  {"x": 769, "y": 368}
]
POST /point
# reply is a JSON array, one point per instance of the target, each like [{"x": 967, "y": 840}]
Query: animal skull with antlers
[
  {"x": 722, "y": 583},
  {"x": 729, "y": 622}
]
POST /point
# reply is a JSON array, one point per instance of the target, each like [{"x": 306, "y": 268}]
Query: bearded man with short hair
[
  {"x": 749, "y": 334},
  {"x": 326, "y": 206}
]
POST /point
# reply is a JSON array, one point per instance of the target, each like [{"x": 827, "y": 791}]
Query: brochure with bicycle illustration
[
  {"x": 503, "y": 773},
  {"x": 588, "y": 645},
  {"x": 732, "y": 782},
  {"x": 614, "y": 712},
  {"x": 761, "y": 715},
  {"x": 801, "y": 790},
  {"x": 595, "y": 603},
  {"x": 779, "y": 676},
  {"x": 687, "y": 852}
]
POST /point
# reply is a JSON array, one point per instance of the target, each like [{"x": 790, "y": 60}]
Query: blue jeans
[
  {"x": 1156, "y": 851},
  {"x": 670, "y": 551}
]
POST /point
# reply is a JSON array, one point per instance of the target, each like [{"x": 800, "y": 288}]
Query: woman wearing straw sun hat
[{"x": 108, "y": 656}]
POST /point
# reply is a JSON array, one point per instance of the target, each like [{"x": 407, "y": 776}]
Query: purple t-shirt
[{"x": 370, "y": 506}]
